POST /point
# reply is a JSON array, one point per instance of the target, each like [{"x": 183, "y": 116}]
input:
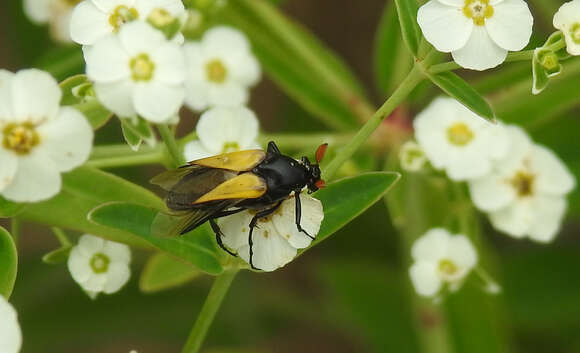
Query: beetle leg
[
  {"x": 299, "y": 214},
  {"x": 253, "y": 223},
  {"x": 218, "y": 236}
]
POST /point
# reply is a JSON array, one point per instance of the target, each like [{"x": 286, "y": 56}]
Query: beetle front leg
[{"x": 299, "y": 214}]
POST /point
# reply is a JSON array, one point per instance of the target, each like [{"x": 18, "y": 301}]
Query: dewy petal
[
  {"x": 510, "y": 27},
  {"x": 271, "y": 251},
  {"x": 432, "y": 246},
  {"x": 9, "y": 163},
  {"x": 118, "y": 275},
  {"x": 220, "y": 125},
  {"x": 552, "y": 176},
  {"x": 425, "y": 278},
  {"x": 169, "y": 64},
  {"x": 67, "y": 140},
  {"x": 227, "y": 94},
  {"x": 174, "y": 7},
  {"x": 284, "y": 220},
  {"x": 549, "y": 212},
  {"x": 515, "y": 220},
  {"x": 107, "y": 61},
  {"x": 491, "y": 193},
  {"x": 79, "y": 265},
  {"x": 195, "y": 150},
  {"x": 446, "y": 27},
  {"x": 480, "y": 52},
  {"x": 36, "y": 179},
  {"x": 88, "y": 24},
  {"x": 158, "y": 102},
  {"x": 10, "y": 333},
  {"x": 35, "y": 95},
  {"x": 117, "y": 252},
  {"x": 117, "y": 97},
  {"x": 140, "y": 37},
  {"x": 461, "y": 252}
]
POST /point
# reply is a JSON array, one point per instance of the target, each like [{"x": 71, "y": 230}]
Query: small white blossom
[
  {"x": 221, "y": 69},
  {"x": 477, "y": 33},
  {"x": 567, "y": 19},
  {"x": 10, "y": 334},
  {"x": 99, "y": 265},
  {"x": 276, "y": 238},
  {"x": 440, "y": 258},
  {"x": 459, "y": 141},
  {"x": 55, "y": 13},
  {"x": 94, "y": 19},
  {"x": 139, "y": 72},
  {"x": 412, "y": 157},
  {"x": 223, "y": 130},
  {"x": 525, "y": 195},
  {"x": 38, "y": 139}
]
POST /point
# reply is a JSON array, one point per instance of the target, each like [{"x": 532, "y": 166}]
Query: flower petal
[
  {"x": 110, "y": 5},
  {"x": 284, "y": 219},
  {"x": 95, "y": 283},
  {"x": 552, "y": 176},
  {"x": 446, "y": 27},
  {"x": 10, "y": 333},
  {"x": 139, "y": 37},
  {"x": 227, "y": 94},
  {"x": 68, "y": 139},
  {"x": 547, "y": 221},
  {"x": 491, "y": 193},
  {"x": 222, "y": 40},
  {"x": 90, "y": 244},
  {"x": 236, "y": 229},
  {"x": 243, "y": 68},
  {"x": 461, "y": 252},
  {"x": 515, "y": 220},
  {"x": 270, "y": 250},
  {"x": 432, "y": 246},
  {"x": 117, "y": 97},
  {"x": 174, "y": 7},
  {"x": 510, "y": 27},
  {"x": 38, "y": 11},
  {"x": 88, "y": 24},
  {"x": 35, "y": 95},
  {"x": 480, "y": 52},
  {"x": 219, "y": 126},
  {"x": 79, "y": 265},
  {"x": 169, "y": 64},
  {"x": 195, "y": 150},
  {"x": 9, "y": 163},
  {"x": 564, "y": 19},
  {"x": 156, "y": 101},
  {"x": 118, "y": 275},
  {"x": 425, "y": 278},
  {"x": 117, "y": 252},
  {"x": 107, "y": 61}
]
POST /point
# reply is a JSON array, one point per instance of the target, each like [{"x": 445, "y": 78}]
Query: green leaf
[
  {"x": 457, "y": 88},
  {"x": 164, "y": 272},
  {"x": 96, "y": 114},
  {"x": 345, "y": 199},
  {"x": 407, "y": 10},
  {"x": 8, "y": 263},
  {"x": 69, "y": 89},
  {"x": 131, "y": 137},
  {"x": 77, "y": 91},
  {"x": 136, "y": 131},
  {"x": 9, "y": 209},
  {"x": 196, "y": 247},
  {"x": 57, "y": 256}
]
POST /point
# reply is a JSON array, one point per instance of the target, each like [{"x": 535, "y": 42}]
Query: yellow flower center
[
  {"x": 550, "y": 61},
  {"x": 523, "y": 182},
  {"x": 575, "y": 32},
  {"x": 160, "y": 18},
  {"x": 447, "y": 267},
  {"x": 459, "y": 134},
  {"x": 216, "y": 71},
  {"x": 121, "y": 15},
  {"x": 20, "y": 138},
  {"x": 71, "y": 3},
  {"x": 478, "y": 10},
  {"x": 230, "y": 146},
  {"x": 142, "y": 68},
  {"x": 100, "y": 263}
]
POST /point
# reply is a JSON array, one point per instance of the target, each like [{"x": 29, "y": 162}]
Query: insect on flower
[{"x": 219, "y": 186}]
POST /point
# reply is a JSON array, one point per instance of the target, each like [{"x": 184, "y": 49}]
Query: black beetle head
[{"x": 314, "y": 182}]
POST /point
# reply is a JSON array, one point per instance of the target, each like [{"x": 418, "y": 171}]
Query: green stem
[
  {"x": 61, "y": 236},
  {"x": 171, "y": 144},
  {"x": 208, "y": 311},
  {"x": 15, "y": 230},
  {"x": 298, "y": 142},
  {"x": 125, "y": 161},
  {"x": 400, "y": 94}
]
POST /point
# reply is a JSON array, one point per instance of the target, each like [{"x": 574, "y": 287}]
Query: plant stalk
[{"x": 171, "y": 144}]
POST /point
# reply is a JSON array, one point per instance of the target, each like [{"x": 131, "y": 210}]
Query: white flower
[
  {"x": 457, "y": 140},
  {"x": 567, "y": 19},
  {"x": 412, "y": 157},
  {"x": 525, "y": 195},
  {"x": 276, "y": 238},
  {"x": 440, "y": 258},
  {"x": 99, "y": 265},
  {"x": 221, "y": 69},
  {"x": 138, "y": 72},
  {"x": 57, "y": 13},
  {"x": 10, "y": 334},
  {"x": 38, "y": 138},
  {"x": 478, "y": 33},
  {"x": 223, "y": 130},
  {"x": 94, "y": 19}
]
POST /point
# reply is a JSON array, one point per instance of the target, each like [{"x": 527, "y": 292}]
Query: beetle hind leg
[
  {"x": 253, "y": 224},
  {"x": 218, "y": 237}
]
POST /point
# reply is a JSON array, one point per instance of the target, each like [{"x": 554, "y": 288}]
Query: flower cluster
[{"x": 520, "y": 185}]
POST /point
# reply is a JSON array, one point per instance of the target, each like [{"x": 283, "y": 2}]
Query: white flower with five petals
[
  {"x": 139, "y": 72},
  {"x": 223, "y": 130},
  {"x": 525, "y": 195},
  {"x": 221, "y": 69},
  {"x": 38, "y": 139},
  {"x": 440, "y": 258},
  {"x": 10, "y": 334},
  {"x": 99, "y": 265},
  {"x": 276, "y": 238},
  {"x": 567, "y": 19},
  {"x": 57, "y": 13},
  {"x": 94, "y": 19},
  {"x": 459, "y": 141},
  {"x": 478, "y": 33}
]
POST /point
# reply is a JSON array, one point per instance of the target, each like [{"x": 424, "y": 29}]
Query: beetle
[{"x": 214, "y": 187}]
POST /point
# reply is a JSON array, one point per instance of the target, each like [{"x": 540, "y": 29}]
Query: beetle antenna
[{"x": 320, "y": 152}]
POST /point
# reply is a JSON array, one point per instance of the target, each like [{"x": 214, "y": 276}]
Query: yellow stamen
[
  {"x": 20, "y": 138},
  {"x": 459, "y": 134},
  {"x": 142, "y": 68},
  {"x": 100, "y": 263},
  {"x": 121, "y": 15},
  {"x": 447, "y": 267},
  {"x": 478, "y": 10},
  {"x": 523, "y": 182},
  {"x": 216, "y": 71}
]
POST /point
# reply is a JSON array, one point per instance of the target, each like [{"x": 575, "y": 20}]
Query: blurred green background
[{"x": 350, "y": 295}]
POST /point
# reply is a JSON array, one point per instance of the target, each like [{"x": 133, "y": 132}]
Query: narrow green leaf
[
  {"x": 57, "y": 256},
  {"x": 9, "y": 209},
  {"x": 407, "y": 10},
  {"x": 345, "y": 199},
  {"x": 163, "y": 272},
  {"x": 457, "y": 88},
  {"x": 196, "y": 247},
  {"x": 95, "y": 113},
  {"x": 69, "y": 87},
  {"x": 8, "y": 263},
  {"x": 136, "y": 131}
]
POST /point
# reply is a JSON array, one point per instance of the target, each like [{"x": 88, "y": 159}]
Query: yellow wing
[
  {"x": 241, "y": 161},
  {"x": 244, "y": 186}
]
